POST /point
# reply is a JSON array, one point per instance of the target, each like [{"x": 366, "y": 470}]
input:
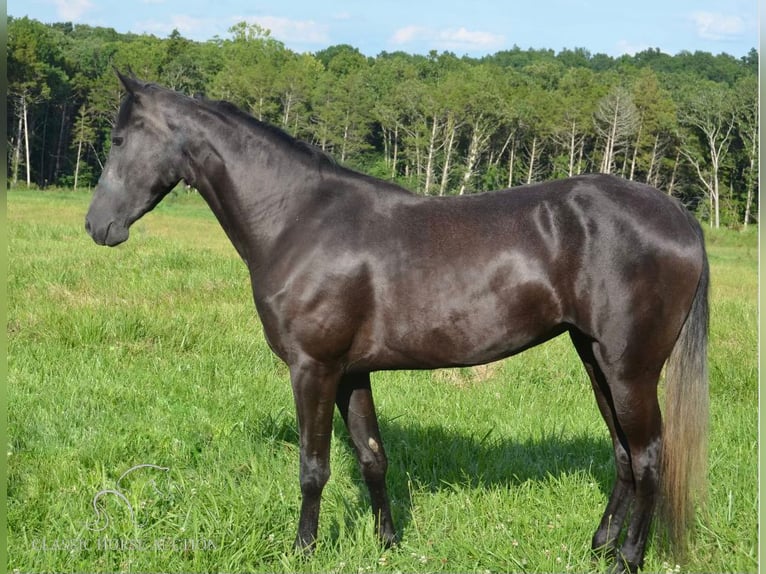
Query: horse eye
[{"x": 117, "y": 141}]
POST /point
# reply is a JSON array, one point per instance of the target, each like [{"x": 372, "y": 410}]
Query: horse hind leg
[
  {"x": 638, "y": 415},
  {"x": 627, "y": 396},
  {"x": 354, "y": 401},
  {"x": 606, "y": 537}
]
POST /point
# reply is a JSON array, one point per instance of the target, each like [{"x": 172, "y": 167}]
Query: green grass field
[{"x": 151, "y": 353}]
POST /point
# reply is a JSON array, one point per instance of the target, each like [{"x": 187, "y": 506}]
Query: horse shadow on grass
[{"x": 436, "y": 458}]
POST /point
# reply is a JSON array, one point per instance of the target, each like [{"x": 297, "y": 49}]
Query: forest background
[{"x": 438, "y": 124}]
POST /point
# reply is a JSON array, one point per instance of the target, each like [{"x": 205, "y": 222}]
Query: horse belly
[{"x": 455, "y": 327}]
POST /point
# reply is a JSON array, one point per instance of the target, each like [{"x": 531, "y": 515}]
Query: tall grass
[{"x": 151, "y": 353}]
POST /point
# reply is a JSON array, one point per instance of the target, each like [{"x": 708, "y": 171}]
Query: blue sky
[{"x": 472, "y": 27}]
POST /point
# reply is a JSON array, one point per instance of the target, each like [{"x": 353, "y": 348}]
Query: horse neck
[{"x": 253, "y": 182}]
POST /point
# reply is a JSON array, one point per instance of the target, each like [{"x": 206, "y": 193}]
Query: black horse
[{"x": 351, "y": 275}]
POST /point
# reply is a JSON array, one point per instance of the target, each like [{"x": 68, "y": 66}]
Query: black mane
[
  {"x": 226, "y": 108},
  {"x": 234, "y": 115},
  {"x": 229, "y": 110}
]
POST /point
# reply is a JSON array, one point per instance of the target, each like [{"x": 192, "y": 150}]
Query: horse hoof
[
  {"x": 304, "y": 548},
  {"x": 622, "y": 567},
  {"x": 388, "y": 540}
]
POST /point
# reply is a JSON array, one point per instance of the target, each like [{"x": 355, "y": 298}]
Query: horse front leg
[
  {"x": 314, "y": 388},
  {"x": 356, "y": 406}
]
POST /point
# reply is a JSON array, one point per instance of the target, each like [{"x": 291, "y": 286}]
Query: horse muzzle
[{"x": 110, "y": 233}]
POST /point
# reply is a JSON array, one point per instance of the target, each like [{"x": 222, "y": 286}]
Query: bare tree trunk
[
  {"x": 752, "y": 180},
  {"x": 431, "y": 156},
  {"x": 288, "y": 105},
  {"x": 572, "y": 150},
  {"x": 711, "y": 185},
  {"x": 616, "y": 120},
  {"x": 394, "y": 160},
  {"x": 653, "y": 160},
  {"x": 511, "y": 157},
  {"x": 79, "y": 151},
  {"x": 473, "y": 156},
  {"x": 716, "y": 197},
  {"x": 418, "y": 163},
  {"x": 26, "y": 140},
  {"x": 77, "y": 164},
  {"x": 386, "y": 146},
  {"x": 532, "y": 155},
  {"x": 502, "y": 150},
  {"x": 579, "y": 158},
  {"x": 606, "y": 166},
  {"x": 672, "y": 183},
  {"x": 60, "y": 143},
  {"x": 17, "y": 153},
  {"x": 41, "y": 179},
  {"x": 448, "y": 157},
  {"x": 624, "y": 163},
  {"x": 716, "y": 121},
  {"x": 635, "y": 151},
  {"x": 748, "y": 204},
  {"x": 479, "y": 136},
  {"x": 345, "y": 140}
]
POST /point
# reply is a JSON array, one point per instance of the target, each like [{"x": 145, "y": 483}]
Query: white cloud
[
  {"x": 625, "y": 47},
  {"x": 286, "y": 30},
  {"x": 470, "y": 38},
  {"x": 448, "y": 38},
  {"x": 715, "y": 26},
  {"x": 186, "y": 25},
  {"x": 408, "y": 34},
  {"x": 71, "y": 10}
]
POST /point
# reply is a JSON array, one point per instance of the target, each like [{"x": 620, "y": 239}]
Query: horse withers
[{"x": 352, "y": 275}]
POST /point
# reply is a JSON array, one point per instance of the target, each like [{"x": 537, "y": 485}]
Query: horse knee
[
  {"x": 313, "y": 476},
  {"x": 373, "y": 462},
  {"x": 374, "y": 472}
]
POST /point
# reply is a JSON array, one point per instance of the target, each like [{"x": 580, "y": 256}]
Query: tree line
[{"x": 438, "y": 124}]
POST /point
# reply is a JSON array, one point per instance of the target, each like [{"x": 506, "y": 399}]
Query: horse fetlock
[
  {"x": 388, "y": 539},
  {"x": 305, "y": 544}
]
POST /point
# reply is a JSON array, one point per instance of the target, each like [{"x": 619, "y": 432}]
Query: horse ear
[{"x": 129, "y": 81}]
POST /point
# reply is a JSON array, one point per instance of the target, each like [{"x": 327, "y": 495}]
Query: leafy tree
[
  {"x": 31, "y": 67},
  {"x": 392, "y": 104},
  {"x": 578, "y": 93},
  {"x": 180, "y": 70},
  {"x": 295, "y": 84},
  {"x": 251, "y": 63},
  {"x": 656, "y": 118},
  {"x": 341, "y": 104},
  {"x": 617, "y": 119},
  {"x": 85, "y": 136},
  {"x": 746, "y": 90},
  {"x": 708, "y": 115},
  {"x": 437, "y": 123}
]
